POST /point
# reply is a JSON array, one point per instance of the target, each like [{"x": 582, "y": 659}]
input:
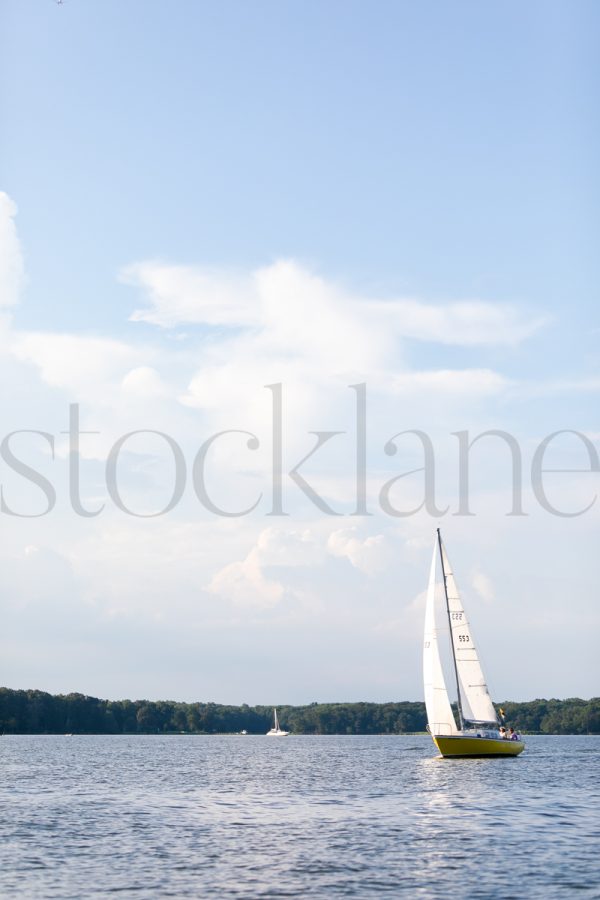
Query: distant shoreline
[
  {"x": 216, "y": 734},
  {"x": 38, "y": 712}
]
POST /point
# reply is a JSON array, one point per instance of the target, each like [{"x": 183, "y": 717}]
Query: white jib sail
[
  {"x": 477, "y": 705},
  {"x": 439, "y": 712}
]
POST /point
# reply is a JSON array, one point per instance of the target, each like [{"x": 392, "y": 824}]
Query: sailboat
[
  {"x": 276, "y": 730},
  {"x": 478, "y": 731}
]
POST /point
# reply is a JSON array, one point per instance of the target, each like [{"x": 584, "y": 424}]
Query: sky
[{"x": 203, "y": 200}]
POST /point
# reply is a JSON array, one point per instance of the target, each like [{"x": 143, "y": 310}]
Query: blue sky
[
  {"x": 444, "y": 149},
  {"x": 160, "y": 155}
]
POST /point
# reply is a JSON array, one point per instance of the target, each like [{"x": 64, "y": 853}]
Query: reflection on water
[{"x": 325, "y": 817}]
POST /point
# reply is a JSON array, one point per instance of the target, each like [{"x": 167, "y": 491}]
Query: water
[{"x": 256, "y": 817}]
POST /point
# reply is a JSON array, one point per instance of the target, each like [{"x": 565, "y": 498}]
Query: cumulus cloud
[
  {"x": 246, "y": 583},
  {"x": 279, "y": 323},
  {"x": 192, "y": 572},
  {"x": 282, "y": 323},
  {"x": 369, "y": 555},
  {"x": 463, "y": 323},
  {"x": 144, "y": 381},
  {"x": 284, "y": 299},
  {"x": 288, "y": 547},
  {"x": 192, "y": 295},
  {"x": 261, "y": 578},
  {"x": 85, "y": 367}
]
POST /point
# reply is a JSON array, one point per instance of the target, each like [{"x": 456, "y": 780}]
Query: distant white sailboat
[
  {"x": 478, "y": 732},
  {"x": 276, "y": 731}
]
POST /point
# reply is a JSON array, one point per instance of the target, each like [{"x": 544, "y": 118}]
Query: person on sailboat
[
  {"x": 503, "y": 733},
  {"x": 513, "y": 736}
]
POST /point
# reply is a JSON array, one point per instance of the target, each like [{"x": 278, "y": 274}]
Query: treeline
[{"x": 36, "y": 712}]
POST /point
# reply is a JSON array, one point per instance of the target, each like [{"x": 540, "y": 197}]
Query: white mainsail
[
  {"x": 476, "y": 702},
  {"x": 439, "y": 712},
  {"x": 276, "y": 726}
]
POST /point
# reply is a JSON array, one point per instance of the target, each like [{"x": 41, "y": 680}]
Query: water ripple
[{"x": 231, "y": 817}]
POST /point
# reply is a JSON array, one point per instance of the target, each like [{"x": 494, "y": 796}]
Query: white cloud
[
  {"x": 283, "y": 324},
  {"x": 249, "y": 583},
  {"x": 464, "y": 323},
  {"x": 288, "y": 547},
  {"x": 192, "y": 295},
  {"x": 288, "y": 304},
  {"x": 369, "y": 555},
  {"x": 145, "y": 382},
  {"x": 245, "y": 584},
  {"x": 280, "y": 323},
  {"x": 85, "y": 367}
]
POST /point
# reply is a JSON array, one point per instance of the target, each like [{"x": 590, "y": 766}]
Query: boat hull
[{"x": 463, "y": 745}]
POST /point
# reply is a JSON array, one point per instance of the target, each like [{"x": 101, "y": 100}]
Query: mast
[{"x": 460, "y": 715}]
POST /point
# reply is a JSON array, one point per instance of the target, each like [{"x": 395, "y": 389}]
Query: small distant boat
[
  {"x": 243, "y": 731},
  {"x": 276, "y": 731},
  {"x": 479, "y": 732}
]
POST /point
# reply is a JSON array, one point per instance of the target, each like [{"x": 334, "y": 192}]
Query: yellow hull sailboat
[
  {"x": 478, "y": 732},
  {"x": 464, "y": 744}
]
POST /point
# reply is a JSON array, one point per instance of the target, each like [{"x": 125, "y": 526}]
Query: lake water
[{"x": 250, "y": 817}]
